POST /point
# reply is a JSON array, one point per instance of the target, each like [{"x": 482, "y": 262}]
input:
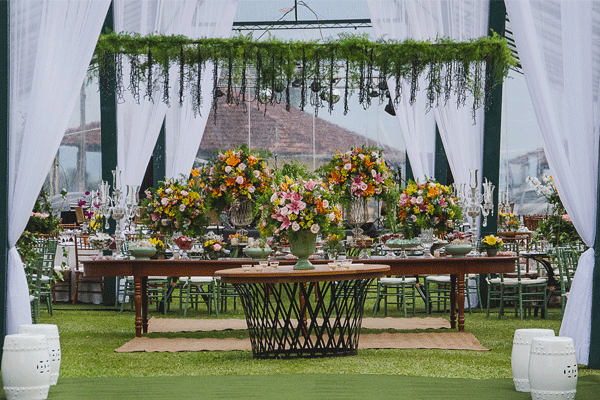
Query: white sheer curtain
[
  {"x": 463, "y": 140},
  {"x": 51, "y": 45},
  {"x": 138, "y": 125},
  {"x": 391, "y": 20},
  {"x": 184, "y": 129},
  {"x": 429, "y": 19},
  {"x": 558, "y": 48}
]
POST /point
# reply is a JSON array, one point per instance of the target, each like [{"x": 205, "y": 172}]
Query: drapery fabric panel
[
  {"x": 51, "y": 44},
  {"x": 391, "y": 20},
  {"x": 139, "y": 120},
  {"x": 559, "y": 52},
  {"x": 462, "y": 138},
  {"x": 184, "y": 127},
  {"x": 429, "y": 19}
]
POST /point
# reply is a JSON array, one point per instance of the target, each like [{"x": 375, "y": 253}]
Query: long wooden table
[{"x": 142, "y": 269}]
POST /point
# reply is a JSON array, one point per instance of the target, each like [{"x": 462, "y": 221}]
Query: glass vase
[{"x": 427, "y": 240}]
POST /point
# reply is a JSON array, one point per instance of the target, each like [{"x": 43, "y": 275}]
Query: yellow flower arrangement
[
  {"x": 492, "y": 242},
  {"x": 160, "y": 246},
  {"x": 213, "y": 249},
  {"x": 508, "y": 222}
]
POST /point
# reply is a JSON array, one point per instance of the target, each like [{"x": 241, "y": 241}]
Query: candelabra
[
  {"x": 472, "y": 206},
  {"x": 132, "y": 204},
  {"x": 112, "y": 206},
  {"x": 505, "y": 206}
]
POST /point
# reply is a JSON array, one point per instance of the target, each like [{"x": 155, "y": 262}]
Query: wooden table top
[
  {"x": 286, "y": 274},
  {"x": 398, "y": 266}
]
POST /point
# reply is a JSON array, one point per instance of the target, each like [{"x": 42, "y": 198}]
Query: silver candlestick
[{"x": 473, "y": 206}]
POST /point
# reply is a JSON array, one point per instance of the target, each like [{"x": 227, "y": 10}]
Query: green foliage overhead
[{"x": 265, "y": 70}]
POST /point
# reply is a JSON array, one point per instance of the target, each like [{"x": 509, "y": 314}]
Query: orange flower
[
  {"x": 370, "y": 190},
  {"x": 336, "y": 177},
  {"x": 195, "y": 173},
  {"x": 402, "y": 214},
  {"x": 320, "y": 208},
  {"x": 252, "y": 160},
  {"x": 233, "y": 160}
]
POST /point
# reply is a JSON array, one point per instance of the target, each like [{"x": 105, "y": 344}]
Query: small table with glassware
[{"x": 303, "y": 313}]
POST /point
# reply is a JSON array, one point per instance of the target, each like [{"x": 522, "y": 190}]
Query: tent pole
[
  {"x": 108, "y": 132},
  {"x": 492, "y": 126},
  {"x": 594, "y": 358}
]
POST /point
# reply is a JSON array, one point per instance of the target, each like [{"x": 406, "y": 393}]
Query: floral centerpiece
[
  {"x": 175, "y": 206},
  {"x": 42, "y": 223},
  {"x": 360, "y": 172},
  {"x": 557, "y": 228},
  {"x": 428, "y": 205},
  {"x": 184, "y": 242},
  {"x": 333, "y": 246},
  {"x": 491, "y": 244},
  {"x": 299, "y": 210},
  {"x": 508, "y": 222},
  {"x": 258, "y": 249},
  {"x": 213, "y": 249},
  {"x": 42, "y": 220},
  {"x": 235, "y": 175}
]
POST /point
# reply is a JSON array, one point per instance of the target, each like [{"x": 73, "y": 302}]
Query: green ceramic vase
[
  {"x": 302, "y": 246},
  {"x": 491, "y": 252}
]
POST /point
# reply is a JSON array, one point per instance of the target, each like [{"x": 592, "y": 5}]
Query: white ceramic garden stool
[
  {"x": 51, "y": 332},
  {"x": 552, "y": 368},
  {"x": 520, "y": 355},
  {"x": 26, "y": 367}
]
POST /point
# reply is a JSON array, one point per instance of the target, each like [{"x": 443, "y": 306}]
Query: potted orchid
[{"x": 299, "y": 210}]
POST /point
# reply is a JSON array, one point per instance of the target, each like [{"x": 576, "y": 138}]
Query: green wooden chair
[
  {"x": 567, "y": 259},
  {"x": 401, "y": 290},
  {"x": 523, "y": 292}
]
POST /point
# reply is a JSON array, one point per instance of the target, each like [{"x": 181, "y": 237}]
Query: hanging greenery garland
[{"x": 272, "y": 66}]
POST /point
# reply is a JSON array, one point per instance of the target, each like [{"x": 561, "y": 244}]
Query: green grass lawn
[{"x": 90, "y": 334}]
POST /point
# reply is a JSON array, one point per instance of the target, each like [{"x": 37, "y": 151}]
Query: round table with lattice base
[{"x": 308, "y": 313}]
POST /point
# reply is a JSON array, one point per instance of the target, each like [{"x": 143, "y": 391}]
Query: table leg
[
  {"x": 137, "y": 300},
  {"x": 453, "y": 301},
  {"x": 460, "y": 288},
  {"x": 145, "y": 304}
]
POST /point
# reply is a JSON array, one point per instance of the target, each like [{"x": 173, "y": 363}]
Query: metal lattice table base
[{"x": 315, "y": 319}]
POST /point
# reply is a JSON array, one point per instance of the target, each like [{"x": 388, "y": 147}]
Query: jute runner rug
[
  {"x": 425, "y": 340},
  {"x": 196, "y": 325}
]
